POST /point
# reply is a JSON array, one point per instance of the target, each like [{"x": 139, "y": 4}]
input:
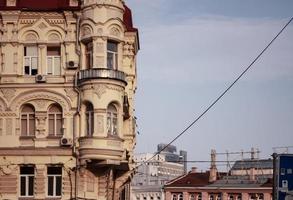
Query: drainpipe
[{"x": 77, "y": 113}]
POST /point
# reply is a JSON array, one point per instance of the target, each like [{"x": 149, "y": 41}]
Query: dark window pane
[
  {"x": 27, "y": 170},
  {"x": 112, "y": 46},
  {"x": 23, "y": 126},
  {"x": 59, "y": 126},
  {"x": 34, "y": 71},
  {"x": 58, "y": 185},
  {"x": 50, "y": 185},
  {"x": 53, "y": 51},
  {"x": 55, "y": 170},
  {"x": 26, "y": 70},
  {"x": 22, "y": 186},
  {"x": 31, "y": 186}
]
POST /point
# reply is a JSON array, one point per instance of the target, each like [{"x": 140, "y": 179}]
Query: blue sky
[{"x": 191, "y": 50}]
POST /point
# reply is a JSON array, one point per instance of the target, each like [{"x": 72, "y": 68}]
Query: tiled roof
[
  {"x": 258, "y": 164},
  {"x": 192, "y": 179},
  {"x": 243, "y": 182}
]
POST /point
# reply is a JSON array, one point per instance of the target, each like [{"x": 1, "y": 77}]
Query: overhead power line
[{"x": 223, "y": 93}]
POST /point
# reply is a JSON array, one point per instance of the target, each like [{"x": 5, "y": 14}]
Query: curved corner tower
[{"x": 67, "y": 85}]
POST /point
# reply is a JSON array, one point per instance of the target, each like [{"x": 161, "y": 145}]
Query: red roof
[
  {"x": 127, "y": 18},
  {"x": 39, "y": 5},
  {"x": 190, "y": 180}
]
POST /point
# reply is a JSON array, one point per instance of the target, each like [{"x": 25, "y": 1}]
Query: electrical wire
[{"x": 223, "y": 93}]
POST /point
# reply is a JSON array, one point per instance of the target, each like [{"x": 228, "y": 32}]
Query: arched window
[
  {"x": 28, "y": 120},
  {"x": 55, "y": 120},
  {"x": 89, "y": 114},
  {"x": 112, "y": 121}
]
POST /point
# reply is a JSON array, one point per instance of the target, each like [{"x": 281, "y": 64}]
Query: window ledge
[
  {"x": 54, "y": 136},
  {"x": 24, "y": 137},
  {"x": 26, "y": 198}
]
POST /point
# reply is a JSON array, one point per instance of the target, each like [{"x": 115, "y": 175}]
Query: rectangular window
[
  {"x": 112, "y": 55},
  {"x": 89, "y": 55},
  {"x": 27, "y": 176},
  {"x": 54, "y": 181},
  {"x": 31, "y": 60},
  {"x": 53, "y": 61}
]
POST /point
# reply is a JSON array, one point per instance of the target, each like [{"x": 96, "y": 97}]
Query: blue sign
[{"x": 284, "y": 176}]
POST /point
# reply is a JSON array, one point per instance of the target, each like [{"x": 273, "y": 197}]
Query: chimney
[
  {"x": 193, "y": 169},
  {"x": 213, "y": 168}
]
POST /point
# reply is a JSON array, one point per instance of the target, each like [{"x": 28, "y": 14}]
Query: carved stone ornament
[
  {"x": 99, "y": 90},
  {"x": 53, "y": 37},
  {"x": 42, "y": 26},
  {"x": 41, "y": 104},
  {"x": 70, "y": 93},
  {"x": 86, "y": 31},
  {"x": 115, "y": 32},
  {"x": 31, "y": 37},
  {"x": 8, "y": 93}
]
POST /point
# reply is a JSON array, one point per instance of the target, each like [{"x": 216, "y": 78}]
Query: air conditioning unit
[
  {"x": 40, "y": 78},
  {"x": 72, "y": 65},
  {"x": 66, "y": 142}
]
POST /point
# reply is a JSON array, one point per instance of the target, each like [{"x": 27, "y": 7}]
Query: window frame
[
  {"x": 88, "y": 53},
  {"x": 89, "y": 117},
  {"x": 30, "y": 58},
  {"x": 55, "y": 118},
  {"x": 54, "y": 186},
  {"x": 26, "y": 177},
  {"x": 115, "y": 55},
  {"x": 29, "y": 116},
  {"x": 112, "y": 120},
  {"x": 53, "y": 57}
]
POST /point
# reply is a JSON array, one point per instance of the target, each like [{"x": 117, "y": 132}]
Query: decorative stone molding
[
  {"x": 100, "y": 89},
  {"x": 8, "y": 93},
  {"x": 115, "y": 32},
  {"x": 31, "y": 37},
  {"x": 100, "y": 123},
  {"x": 41, "y": 104},
  {"x": 71, "y": 93},
  {"x": 86, "y": 30},
  {"x": 9, "y": 126},
  {"x": 41, "y": 118},
  {"x": 40, "y": 94}
]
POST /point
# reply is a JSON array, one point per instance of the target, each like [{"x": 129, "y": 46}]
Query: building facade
[
  {"x": 247, "y": 180},
  {"x": 154, "y": 171},
  {"x": 67, "y": 85}
]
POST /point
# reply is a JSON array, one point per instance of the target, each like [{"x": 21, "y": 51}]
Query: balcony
[
  {"x": 101, "y": 148},
  {"x": 101, "y": 73}
]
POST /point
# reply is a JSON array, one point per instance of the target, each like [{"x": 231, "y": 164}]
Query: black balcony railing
[{"x": 101, "y": 73}]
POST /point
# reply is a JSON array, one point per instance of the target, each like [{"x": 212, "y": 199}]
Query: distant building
[
  {"x": 247, "y": 180},
  {"x": 147, "y": 183}
]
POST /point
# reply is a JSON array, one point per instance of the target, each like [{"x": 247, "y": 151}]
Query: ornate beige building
[{"x": 67, "y": 84}]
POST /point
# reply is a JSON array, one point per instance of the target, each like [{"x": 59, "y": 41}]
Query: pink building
[{"x": 247, "y": 180}]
